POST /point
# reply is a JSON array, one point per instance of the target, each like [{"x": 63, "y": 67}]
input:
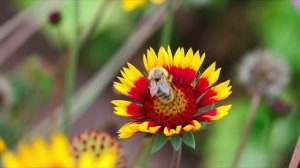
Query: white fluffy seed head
[{"x": 262, "y": 71}]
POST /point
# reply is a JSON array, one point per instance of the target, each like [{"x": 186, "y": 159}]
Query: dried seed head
[{"x": 261, "y": 71}]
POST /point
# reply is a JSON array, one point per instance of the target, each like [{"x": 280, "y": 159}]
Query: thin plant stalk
[
  {"x": 96, "y": 20},
  {"x": 256, "y": 97},
  {"x": 58, "y": 87},
  {"x": 295, "y": 161},
  {"x": 62, "y": 41},
  {"x": 268, "y": 141},
  {"x": 141, "y": 158},
  {"x": 167, "y": 29},
  {"x": 71, "y": 71},
  {"x": 176, "y": 158}
]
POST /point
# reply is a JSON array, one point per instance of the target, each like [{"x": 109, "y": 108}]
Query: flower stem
[
  {"x": 142, "y": 156},
  {"x": 71, "y": 70},
  {"x": 176, "y": 158},
  {"x": 167, "y": 29},
  {"x": 250, "y": 118},
  {"x": 295, "y": 161},
  {"x": 268, "y": 141}
]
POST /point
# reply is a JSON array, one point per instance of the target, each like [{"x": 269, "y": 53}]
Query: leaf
[
  {"x": 176, "y": 142},
  {"x": 159, "y": 142},
  {"x": 189, "y": 139}
]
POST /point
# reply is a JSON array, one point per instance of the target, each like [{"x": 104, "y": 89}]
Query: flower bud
[{"x": 54, "y": 17}]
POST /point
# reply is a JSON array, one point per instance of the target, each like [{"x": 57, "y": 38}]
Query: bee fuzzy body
[{"x": 160, "y": 84}]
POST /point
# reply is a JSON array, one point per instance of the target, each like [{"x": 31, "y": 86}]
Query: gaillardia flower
[
  {"x": 56, "y": 154},
  {"x": 174, "y": 98},
  {"x": 98, "y": 143},
  {"x": 129, "y": 5}
]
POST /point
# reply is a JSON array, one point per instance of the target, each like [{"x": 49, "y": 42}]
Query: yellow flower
[
  {"x": 57, "y": 154},
  {"x": 2, "y": 146},
  {"x": 101, "y": 145},
  {"x": 173, "y": 99},
  {"x": 129, "y": 5}
]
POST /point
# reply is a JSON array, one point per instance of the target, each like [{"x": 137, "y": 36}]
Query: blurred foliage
[
  {"x": 276, "y": 24},
  {"x": 110, "y": 33},
  {"x": 32, "y": 84}
]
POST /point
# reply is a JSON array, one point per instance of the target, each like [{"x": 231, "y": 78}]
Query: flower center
[{"x": 178, "y": 111}]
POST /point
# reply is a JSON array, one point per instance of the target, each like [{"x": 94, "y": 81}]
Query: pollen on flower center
[
  {"x": 176, "y": 112},
  {"x": 177, "y": 105}
]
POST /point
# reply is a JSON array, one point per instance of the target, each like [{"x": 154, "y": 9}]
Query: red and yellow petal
[
  {"x": 132, "y": 83},
  {"x": 132, "y": 128},
  {"x": 150, "y": 60},
  {"x": 170, "y": 131},
  {"x": 183, "y": 67},
  {"x": 215, "y": 94},
  {"x": 192, "y": 126},
  {"x": 214, "y": 114},
  {"x": 207, "y": 79},
  {"x": 127, "y": 109}
]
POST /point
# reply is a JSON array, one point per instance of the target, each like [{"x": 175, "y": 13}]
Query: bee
[{"x": 160, "y": 84}]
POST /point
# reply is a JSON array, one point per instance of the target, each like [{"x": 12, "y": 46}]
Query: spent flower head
[
  {"x": 261, "y": 71},
  {"x": 170, "y": 99}
]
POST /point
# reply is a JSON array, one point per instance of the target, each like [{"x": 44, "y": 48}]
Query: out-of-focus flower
[
  {"x": 297, "y": 4},
  {"x": 54, "y": 17},
  {"x": 261, "y": 71},
  {"x": 173, "y": 101},
  {"x": 2, "y": 146},
  {"x": 56, "y": 153},
  {"x": 129, "y": 5},
  {"x": 100, "y": 144},
  {"x": 6, "y": 93}
]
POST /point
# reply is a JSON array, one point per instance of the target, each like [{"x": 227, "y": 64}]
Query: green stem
[
  {"x": 250, "y": 118},
  {"x": 167, "y": 29},
  {"x": 268, "y": 141},
  {"x": 176, "y": 158},
  {"x": 142, "y": 156},
  {"x": 71, "y": 71}
]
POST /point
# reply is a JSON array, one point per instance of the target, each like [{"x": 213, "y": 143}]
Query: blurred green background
[{"x": 224, "y": 29}]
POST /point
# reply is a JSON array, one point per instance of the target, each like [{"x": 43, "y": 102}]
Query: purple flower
[{"x": 297, "y": 4}]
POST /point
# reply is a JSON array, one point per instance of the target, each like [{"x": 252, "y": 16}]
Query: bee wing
[
  {"x": 153, "y": 88},
  {"x": 164, "y": 86}
]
